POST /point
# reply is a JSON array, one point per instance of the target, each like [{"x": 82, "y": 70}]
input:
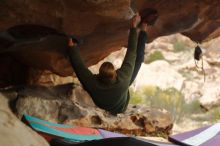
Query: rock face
[
  {"x": 137, "y": 120},
  {"x": 211, "y": 95},
  {"x": 211, "y": 91},
  {"x": 159, "y": 73},
  {"x": 213, "y": 51},
  {"x": 102, "y": 24},
  {"x": 13, "y": 132}
]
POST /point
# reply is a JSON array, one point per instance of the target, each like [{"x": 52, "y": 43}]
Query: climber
[{"x": 109, "y": 88}]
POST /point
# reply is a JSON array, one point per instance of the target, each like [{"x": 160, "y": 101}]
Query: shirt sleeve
[
  {"x": 84, "y": 75},
  {"x": 127, "y": 67}
]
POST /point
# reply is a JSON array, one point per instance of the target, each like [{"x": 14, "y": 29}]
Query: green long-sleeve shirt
[{"x": 112, "y": 97}]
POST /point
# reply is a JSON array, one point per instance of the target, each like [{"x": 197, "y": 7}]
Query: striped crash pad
[
  {"x": 206, "y": 136},
  {"x": 83, "y": 136}
]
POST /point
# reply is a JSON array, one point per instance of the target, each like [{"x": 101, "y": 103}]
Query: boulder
[
  {"x": 211, "y": 95},
  {"x": 212, "y": 51},
  {"x": 81, "y": 111},
  {"x": 159, "y": 73},
  {"x": 137, "y": 120},
  {"x": 13, "y": 132}
]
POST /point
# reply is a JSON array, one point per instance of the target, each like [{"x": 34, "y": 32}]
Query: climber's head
[{"x": 107, "y": 72}]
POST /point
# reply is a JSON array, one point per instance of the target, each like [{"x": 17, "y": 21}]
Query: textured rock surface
[
  {"x": 195, "y": 19},
  {"x": 211, "y": 95},
  {"x": 213, "y": 51},
  {"x": 137, "y": 120},
  {"x": 47, "y": 78},
  {"x": 211, "y": 91},
  {"x": 102, "y": 24},
  {"x": 15, "y": 133},
  {"x": 159, "y": 73}
]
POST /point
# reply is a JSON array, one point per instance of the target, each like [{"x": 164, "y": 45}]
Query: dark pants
[{"x": 140, "y": 54}]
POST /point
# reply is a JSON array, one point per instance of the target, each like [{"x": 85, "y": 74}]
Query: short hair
[{"x": 107, "y": 72}]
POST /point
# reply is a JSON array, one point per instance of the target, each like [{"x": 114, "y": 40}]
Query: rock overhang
[{"x": 103, "y": 25}]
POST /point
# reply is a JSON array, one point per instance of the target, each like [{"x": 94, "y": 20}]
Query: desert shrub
[
  {"x": 193, "y": 107},
  {"x": 215, "y": 114},
  {"x": 170, "y": 99},
  {"x": 211, "y": 116},
  {"x": 136, "y": 97},
  {"x": 179, "y": 46},
  {"x": 186, "y": 74},
  {"x": 156, "y": 55}
]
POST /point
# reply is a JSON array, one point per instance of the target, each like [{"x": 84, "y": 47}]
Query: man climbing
[{"x": 109, "y": 88}]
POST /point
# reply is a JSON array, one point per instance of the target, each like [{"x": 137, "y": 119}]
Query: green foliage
[
  {"x": 179, "y": 46},
  {"x": 186, "y": 74},
  {"x": 170, "y": 99},
  {"x": 211, "y": 116},
  {"x": 193, "y": 107},
  {"x": 215, "y": 114},
  {"x": 136, "y": 97},
  {"x": 156, "y": 55},
  {"x": 150, "y": 90}
]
